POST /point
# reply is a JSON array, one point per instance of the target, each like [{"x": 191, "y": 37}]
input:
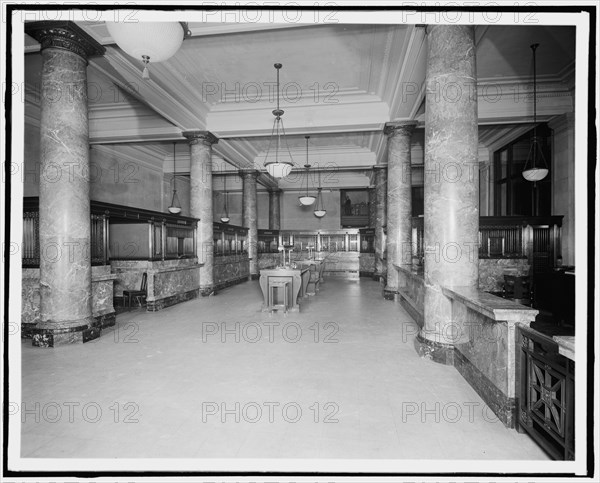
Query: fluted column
[
  {"x": 380, "y": 218},
  {"x": 250, "y": 217},
  {"x": 64, "y": 216},
  {"x": 399, "y": 203},
  {"x": 451, "y": 184},
  {"x": 274, "y": 210},
  {"x": 201, "y": 202}
]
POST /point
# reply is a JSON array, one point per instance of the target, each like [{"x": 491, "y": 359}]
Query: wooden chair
[
  {"x": 137, "y": 294},
  {"x": 517, "y": 288},
  {"x": 313, "y": 281}
]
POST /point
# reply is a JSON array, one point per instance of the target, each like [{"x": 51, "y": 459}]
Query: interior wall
[
  {"x": 183, "y": 193},
  {"x": 296, "y": 217},
  {"x": 124, "y": 182},
  {"x": 234, "y": 206},
  {"x": 563, "y": 182}
]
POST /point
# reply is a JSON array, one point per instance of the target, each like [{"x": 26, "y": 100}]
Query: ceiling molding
[
  {"x": 132, "y": 155},
  {"x": 125, "y": 75},
  {"x": 404, "y": 103}
]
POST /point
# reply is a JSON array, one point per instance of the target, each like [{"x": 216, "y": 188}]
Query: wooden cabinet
[{"x": 547, "y": 395}]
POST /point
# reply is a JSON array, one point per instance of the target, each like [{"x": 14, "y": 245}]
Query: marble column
[
  {"x": 274, "y": 209},
  {"x": 372, "y": 206},
  {"x": 201, "y": 202},
  {"x": 64, "y": 204},
  {"x": 399, "y": 203},
  {"x": 250, "y": 217},
  {"x": 451, "y": 185},
  {"x": 380, "y": 218}
]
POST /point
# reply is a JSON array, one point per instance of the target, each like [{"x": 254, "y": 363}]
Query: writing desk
[{"x": 298, "y": 278}]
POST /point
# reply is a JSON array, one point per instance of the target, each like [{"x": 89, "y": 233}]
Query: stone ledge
[{"x": 491, "y": 306}]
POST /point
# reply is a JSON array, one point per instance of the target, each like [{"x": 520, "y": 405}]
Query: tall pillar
[
  {"x": 64, "y": 216},
  {"x": 250, "y": 218},
  {"x": 380, "y": 217},
  {"x": 399, "y": 203},
  {"x": 451, "y": 184},
  {"x": 201, "y": 202},
  {"x": 372, "y": 206},
  {"x": 274, "y": 209}
]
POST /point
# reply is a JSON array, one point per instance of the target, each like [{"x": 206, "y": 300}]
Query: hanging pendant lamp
[
  {"x": 537, "y": 169},
  {"x": 320, "y": 211},
  {"x": 175, "y": 206},
  {"x": 278, "y": 168},
  {"x": 225, "y": 215},
  {"x": 149, "y": 41},
  {"x": 306, "y": 200}
]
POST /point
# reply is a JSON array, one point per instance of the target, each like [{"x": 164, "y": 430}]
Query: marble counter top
[
  {"x": 566, "y": 345},
  {"x": 496, "y": 308}
]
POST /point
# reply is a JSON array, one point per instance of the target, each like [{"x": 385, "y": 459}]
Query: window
[{"x": 513, "y": 194}]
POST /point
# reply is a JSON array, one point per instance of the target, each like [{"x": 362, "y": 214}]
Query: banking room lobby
[{"x": 299, "y": 241}]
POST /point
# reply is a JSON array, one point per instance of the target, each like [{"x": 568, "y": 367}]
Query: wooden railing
[
  {"x": 168, "y": 236},
  {"x": 534, "y": 238}
]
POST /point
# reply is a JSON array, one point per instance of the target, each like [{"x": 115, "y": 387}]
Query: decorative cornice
[
  {"x": 205, "y": 137},
  {"x": 404, "y": 128},
  {"x": 66, "y": 36}
]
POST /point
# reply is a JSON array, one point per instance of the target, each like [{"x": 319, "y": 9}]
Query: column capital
[
  {"x": 404, "y": 128},
  {"x": 204, "y": 137},
  {"x": 249, "y": 173},
  {"x": 64, "y": 35},
  {"x": 562, "y": 122},
  {"x": 275, "y": 191}
]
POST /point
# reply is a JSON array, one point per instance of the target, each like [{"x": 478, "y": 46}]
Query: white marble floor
[{"x": 217, "y": 378}]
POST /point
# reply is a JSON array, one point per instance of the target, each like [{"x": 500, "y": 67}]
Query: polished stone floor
[{"x": 217, "y": 378}]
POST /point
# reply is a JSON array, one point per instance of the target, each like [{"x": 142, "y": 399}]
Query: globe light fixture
[
  {"x": 278, "y": 168},
  {"x": 320, "y": 210},
  {"x": 175, "y": 206},
  {"x": 536, "y": 171},
  {"x": 306, "y": 200},
  {"x": 225, "y": 215},
  {"x": 148, "y": 41}
]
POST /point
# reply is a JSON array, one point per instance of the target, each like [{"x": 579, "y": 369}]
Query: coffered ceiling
[{"x": 340, "y": 84}]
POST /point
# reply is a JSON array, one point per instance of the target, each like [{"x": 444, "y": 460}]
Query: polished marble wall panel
[
  {"x": 231, "y": 268},
  {"x": 366, "y": 264},
  {"x": 102, "y": 293},
  {"x": 491, "y": 271},
  {"x": 166, "y": 281},
  {"x": 269, "y": 260}
]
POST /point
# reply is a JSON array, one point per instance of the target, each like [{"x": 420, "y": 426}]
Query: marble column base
[
  {"x": 206, "y": 290},
  {"x": 29, "y": 329},
  {"x": 436, "y": 351},
  {"x": 44, "y": 335},
  {"x": 254, "y": 276},
  {"x": 389, "y": 293}
]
